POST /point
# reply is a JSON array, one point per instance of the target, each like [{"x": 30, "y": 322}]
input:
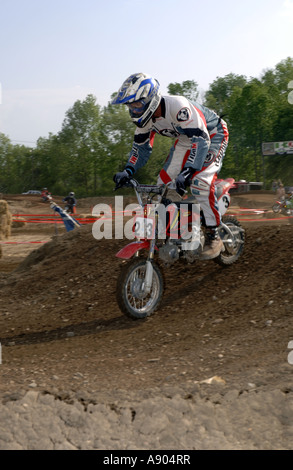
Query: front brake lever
[{"x": 126, "y": 184}]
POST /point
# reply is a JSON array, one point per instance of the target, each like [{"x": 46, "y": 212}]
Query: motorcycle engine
[{"x": 169, "y": 253}]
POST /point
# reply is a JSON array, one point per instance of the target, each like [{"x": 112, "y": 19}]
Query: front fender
[{"x": 128, "y": 251}]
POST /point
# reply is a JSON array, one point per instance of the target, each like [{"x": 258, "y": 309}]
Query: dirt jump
[{"x": 209, "y": 370}]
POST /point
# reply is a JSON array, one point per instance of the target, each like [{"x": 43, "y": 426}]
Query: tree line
[{"x": 94, "y": 142}]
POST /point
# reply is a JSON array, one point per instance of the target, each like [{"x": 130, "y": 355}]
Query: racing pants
[{"x": 203, "y": 181}]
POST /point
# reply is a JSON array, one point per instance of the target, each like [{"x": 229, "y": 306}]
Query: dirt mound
[
  {"x": 63, "y": 334},
  {"x": 254, "y": 199}
]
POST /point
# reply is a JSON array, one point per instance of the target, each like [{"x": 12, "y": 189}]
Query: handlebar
[
  {"x": 146, "y": 188},
  {"x": 160, "y": 189},
  {"x": 142, "y": 188},
  {"x": 126, "y": 184}
]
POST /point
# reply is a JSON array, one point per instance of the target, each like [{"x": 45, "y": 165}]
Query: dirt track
[{"x": 63, "y": 334}]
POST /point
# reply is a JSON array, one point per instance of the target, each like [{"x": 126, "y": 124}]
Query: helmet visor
[{"x": 137, "y": 108}]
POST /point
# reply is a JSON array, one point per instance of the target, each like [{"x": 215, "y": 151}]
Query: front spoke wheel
[{"x": 132, "y": 297}]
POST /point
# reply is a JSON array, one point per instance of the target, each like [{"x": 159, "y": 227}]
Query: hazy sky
[{"x": 53, "y": 52}]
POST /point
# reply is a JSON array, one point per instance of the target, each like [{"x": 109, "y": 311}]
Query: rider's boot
[{"x": 213, "y": 245}]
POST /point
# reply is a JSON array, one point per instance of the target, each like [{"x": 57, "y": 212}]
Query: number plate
[{"x": 144, "y": 227}]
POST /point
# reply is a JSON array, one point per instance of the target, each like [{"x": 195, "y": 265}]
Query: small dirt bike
[
  {"x": 283, "y": 207},
  {"x": 46, "y": 197},
  {"x": 181, "y": 235}
]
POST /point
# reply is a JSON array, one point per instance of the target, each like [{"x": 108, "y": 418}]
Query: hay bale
[
  {"x": 18, "y": 222},
  {"x": 5, "y": 220},
  {"x": 3, "y": 206}
]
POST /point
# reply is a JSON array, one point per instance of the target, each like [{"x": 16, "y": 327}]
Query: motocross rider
[
  {"x": 45, "y": 194},
  {"x": 196, "y": 156},
  {"x": 70, "y": 202}
]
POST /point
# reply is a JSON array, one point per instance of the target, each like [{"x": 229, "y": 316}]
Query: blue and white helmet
[{"x": 140, "y": 92}]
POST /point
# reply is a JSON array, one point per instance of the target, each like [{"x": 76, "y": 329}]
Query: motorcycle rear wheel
[
  {"x": 276, "y": 208},
  {"x": 232, "y": 250},
  {"x": 132, "y": 301}
]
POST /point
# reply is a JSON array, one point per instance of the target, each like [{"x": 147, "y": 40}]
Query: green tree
[
  {"x": 13, "y": 175},
  {"x": 277, "y": 81},
  {"x": 79, "y": 140},
  {"x": 49, "y": 159},
  {"x": 116, "y": 138},
  {"x": 280, "y": 76},
  {"x": 188, "y": 88},
  {"x": 220, "y": 91},
  {"x": 253, "y": 116}
]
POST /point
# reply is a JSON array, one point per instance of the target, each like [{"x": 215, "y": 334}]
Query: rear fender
[{"x": 129, "y": 250}]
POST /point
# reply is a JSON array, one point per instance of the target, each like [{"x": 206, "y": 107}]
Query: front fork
[{"x": 148, "y": 280}]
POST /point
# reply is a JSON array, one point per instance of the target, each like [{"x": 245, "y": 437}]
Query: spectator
[{"x": 281, "y": 192}]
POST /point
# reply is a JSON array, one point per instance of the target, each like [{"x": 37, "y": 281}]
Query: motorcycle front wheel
[{"x": 130, "y": 295}]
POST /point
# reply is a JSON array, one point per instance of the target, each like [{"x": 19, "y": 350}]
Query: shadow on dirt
[{"x": 83, "y": 329}]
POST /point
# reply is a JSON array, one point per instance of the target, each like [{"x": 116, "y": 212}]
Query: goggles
[{"x": 137, "y": 108}]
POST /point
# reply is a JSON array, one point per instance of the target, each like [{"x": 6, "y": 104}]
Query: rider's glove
[
  {"x": 122, "y": 176},
  {"x": 183, "y": 180}
]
